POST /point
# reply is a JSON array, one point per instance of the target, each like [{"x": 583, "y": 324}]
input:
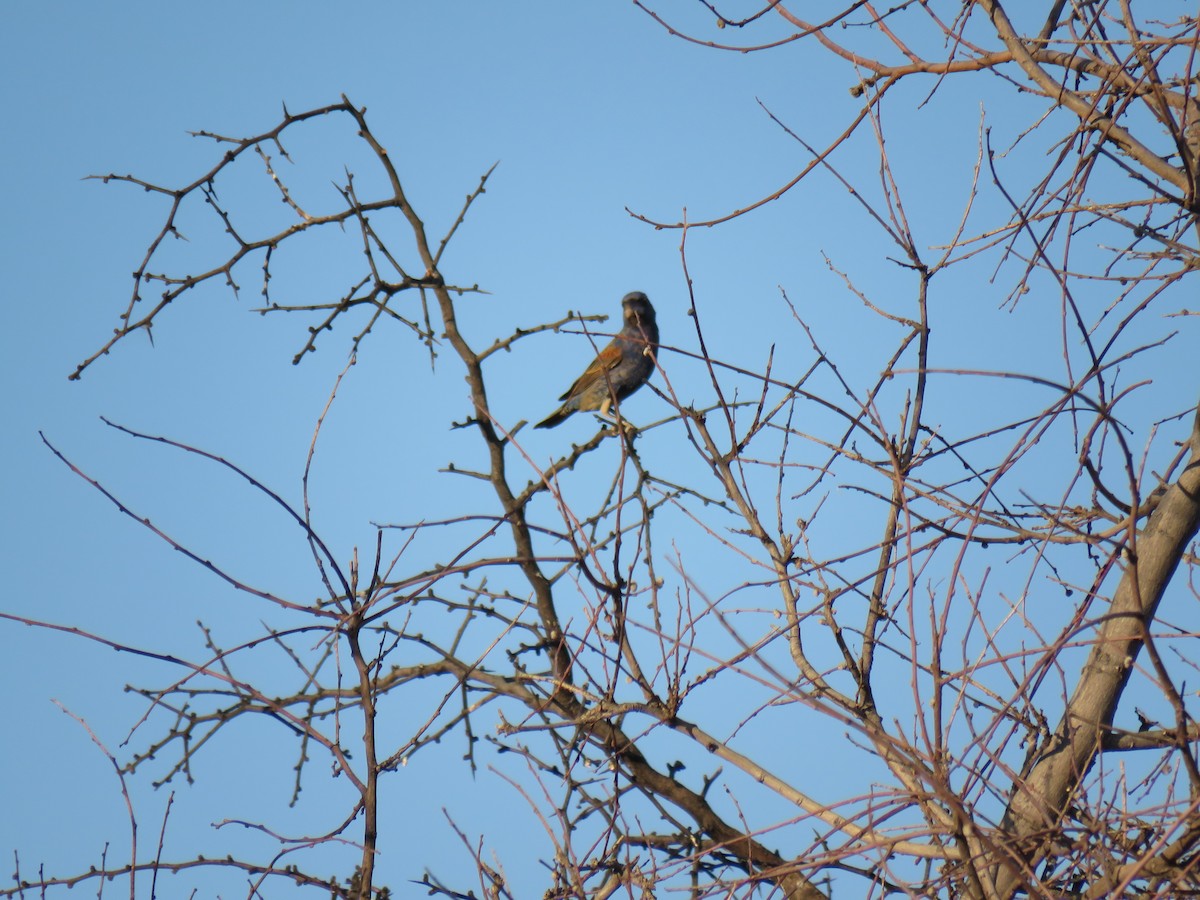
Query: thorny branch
[{"x": 810, "y": 537}]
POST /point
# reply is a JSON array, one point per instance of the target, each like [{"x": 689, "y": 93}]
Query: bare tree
[{"x": 955, "y": 579}]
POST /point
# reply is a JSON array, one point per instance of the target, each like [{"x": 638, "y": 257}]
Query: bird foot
[{"x": 617, "y": 423}]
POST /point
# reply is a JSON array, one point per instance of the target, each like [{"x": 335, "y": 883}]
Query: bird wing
[{"x": 606, "y": 360}]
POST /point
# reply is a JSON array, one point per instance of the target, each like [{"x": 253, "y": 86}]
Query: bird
[{"x": 619, "y": 369}]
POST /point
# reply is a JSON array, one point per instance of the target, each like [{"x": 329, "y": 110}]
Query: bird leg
[{"x": 608, "y": 414}]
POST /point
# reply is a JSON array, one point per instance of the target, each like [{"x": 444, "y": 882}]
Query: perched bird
[{"x": 620, "y": 369}]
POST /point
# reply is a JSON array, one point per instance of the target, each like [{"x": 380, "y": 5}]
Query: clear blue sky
[{"x": 588, "y": 108}]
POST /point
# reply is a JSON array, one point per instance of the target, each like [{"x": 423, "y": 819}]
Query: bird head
[{"x": 636, "y": 308}]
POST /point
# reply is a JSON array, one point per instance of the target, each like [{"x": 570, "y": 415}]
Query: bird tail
[{"x": 555, "y": 418}]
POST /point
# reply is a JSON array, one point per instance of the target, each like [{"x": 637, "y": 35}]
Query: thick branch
[{"x": 1041, "y": 798}]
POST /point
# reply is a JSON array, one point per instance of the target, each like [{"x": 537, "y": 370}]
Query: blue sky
[{"x": 587, "y": 108}]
